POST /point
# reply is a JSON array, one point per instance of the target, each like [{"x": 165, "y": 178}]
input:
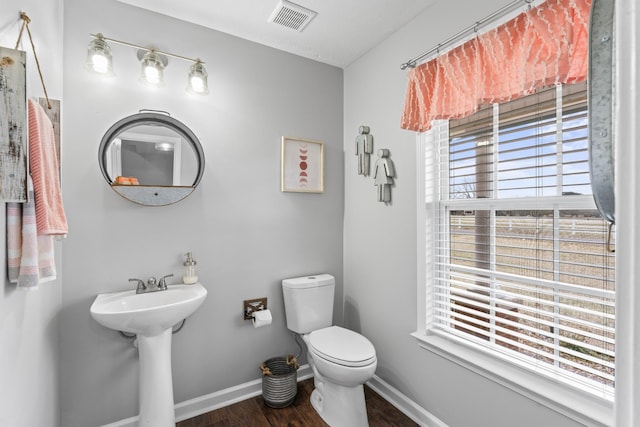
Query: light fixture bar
[
  {"x": 153, "y": 62},
  {"x": 148, "y": 49}
]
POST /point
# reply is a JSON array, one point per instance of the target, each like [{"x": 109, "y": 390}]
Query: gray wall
[
  {"x": 29, "y": 325},
  {"x": 380, "y": 241},
  {"x": 244, "y": 233}
]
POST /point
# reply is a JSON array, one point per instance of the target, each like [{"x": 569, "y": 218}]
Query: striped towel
[
  {"x": 43, "y": 164},
  {"x": 30, "y": 257}
]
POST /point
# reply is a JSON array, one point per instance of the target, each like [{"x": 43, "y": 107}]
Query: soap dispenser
[{"x": 189, "y": 275}]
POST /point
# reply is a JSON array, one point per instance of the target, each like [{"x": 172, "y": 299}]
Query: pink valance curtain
[{"x": 546, "y": 45}]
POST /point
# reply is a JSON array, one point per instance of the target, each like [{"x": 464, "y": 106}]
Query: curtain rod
[{"x": 472, "y": 28}]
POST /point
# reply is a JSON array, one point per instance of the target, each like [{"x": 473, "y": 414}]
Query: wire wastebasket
[{"x": 279, "y": 381}]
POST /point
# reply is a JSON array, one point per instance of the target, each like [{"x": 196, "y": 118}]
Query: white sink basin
[{"x": 147, "y": 313}]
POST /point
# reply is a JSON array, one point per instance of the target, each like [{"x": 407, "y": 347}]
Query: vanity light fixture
[
  {"x": 153, "y": 62},
  {"x": 163, "y": 146},
  {"x": 99, "y": 58},
  {"x": 198, "y": 79}
]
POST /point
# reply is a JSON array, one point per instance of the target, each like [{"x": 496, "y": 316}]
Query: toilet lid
[{"x": 342, "y": 346}]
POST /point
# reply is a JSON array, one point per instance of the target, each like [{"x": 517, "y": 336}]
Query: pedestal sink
[{"x": 151, "y": 317}]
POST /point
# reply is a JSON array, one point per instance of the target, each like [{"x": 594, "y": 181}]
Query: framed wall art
[{"x": 302, "y": 166}]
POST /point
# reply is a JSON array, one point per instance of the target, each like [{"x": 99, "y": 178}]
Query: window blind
[{"x": 521, "y": 266}]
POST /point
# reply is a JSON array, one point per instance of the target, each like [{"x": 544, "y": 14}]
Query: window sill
[{"x": 583, "y": 407}]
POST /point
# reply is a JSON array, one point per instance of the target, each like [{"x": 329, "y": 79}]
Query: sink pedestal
[
  {"x": 156, "y": 385},
  {"x": 151, "y": 316}
]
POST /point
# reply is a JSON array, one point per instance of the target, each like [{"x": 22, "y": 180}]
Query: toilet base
[{"x": 340, "y": 406}]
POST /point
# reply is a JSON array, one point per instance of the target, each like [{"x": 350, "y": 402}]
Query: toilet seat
[{"x": 342, "y": 346}]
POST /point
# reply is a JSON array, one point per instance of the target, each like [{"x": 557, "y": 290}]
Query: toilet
[{"x": 342, "y": 360}]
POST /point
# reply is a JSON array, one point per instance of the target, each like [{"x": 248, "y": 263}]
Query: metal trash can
[{"x": 279, "y": 381}]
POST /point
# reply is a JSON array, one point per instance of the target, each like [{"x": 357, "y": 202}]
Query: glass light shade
[
  {"x": 198, "y": 79},
  {"x": 152, "y": 69},
  {"x": 99, "y": 58}
]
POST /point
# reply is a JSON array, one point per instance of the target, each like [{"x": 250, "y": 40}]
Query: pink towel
[
  {"x": 30, "y": 256},
  {"x": 43, "y": 161}
]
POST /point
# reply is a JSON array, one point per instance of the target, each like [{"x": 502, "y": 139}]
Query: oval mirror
[{"x": 151, "y": 159}]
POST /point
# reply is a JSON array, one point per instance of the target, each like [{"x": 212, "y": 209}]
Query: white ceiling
[{"x": 341, "y": 32}]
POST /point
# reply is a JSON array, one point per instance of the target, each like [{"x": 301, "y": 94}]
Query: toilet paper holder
[{"x": 252, "y": 305}]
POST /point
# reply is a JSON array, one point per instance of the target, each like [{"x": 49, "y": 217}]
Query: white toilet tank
[{"x": 308, "y": 302}]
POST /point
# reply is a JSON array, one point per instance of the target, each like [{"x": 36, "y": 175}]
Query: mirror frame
[{"x": 151, "y": 195}]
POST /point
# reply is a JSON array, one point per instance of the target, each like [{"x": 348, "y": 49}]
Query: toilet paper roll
[{"x": 261, "y": 318}]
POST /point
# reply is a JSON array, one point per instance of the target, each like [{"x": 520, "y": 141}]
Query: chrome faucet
[{"x": 152, "y": 284}]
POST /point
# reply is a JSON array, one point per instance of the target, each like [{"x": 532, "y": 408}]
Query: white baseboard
[
  {"x": 203, "y": 404},
  {"x": 219, "y": 399},
  {"x": 405, "y": 405}
]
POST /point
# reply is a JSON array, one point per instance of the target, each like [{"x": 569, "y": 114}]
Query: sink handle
[
  {"x": 141, "y": 286},
  {"x": 163, "y": 282}
]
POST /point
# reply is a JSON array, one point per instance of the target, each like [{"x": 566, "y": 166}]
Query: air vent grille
[{"x": 291, "y": 15}]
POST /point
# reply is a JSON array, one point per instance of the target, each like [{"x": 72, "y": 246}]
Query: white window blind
[{"x": 521, "y": 266}]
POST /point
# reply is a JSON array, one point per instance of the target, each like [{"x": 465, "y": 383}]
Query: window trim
[{"x": 581, "y": 406}]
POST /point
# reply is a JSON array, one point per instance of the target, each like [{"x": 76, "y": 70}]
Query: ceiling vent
[{"x": 291, "y": 15}]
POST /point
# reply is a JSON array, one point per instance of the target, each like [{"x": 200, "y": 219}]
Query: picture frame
[{"x": 302, "y": 165}]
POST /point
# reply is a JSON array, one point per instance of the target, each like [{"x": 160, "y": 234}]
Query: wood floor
[{"x": 254, "y": 413}]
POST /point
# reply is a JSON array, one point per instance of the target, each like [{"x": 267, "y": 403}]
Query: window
[{"x": 520, "y": 266}]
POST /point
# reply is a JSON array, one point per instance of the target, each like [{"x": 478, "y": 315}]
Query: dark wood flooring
[{"x": 300, "y": 413}]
